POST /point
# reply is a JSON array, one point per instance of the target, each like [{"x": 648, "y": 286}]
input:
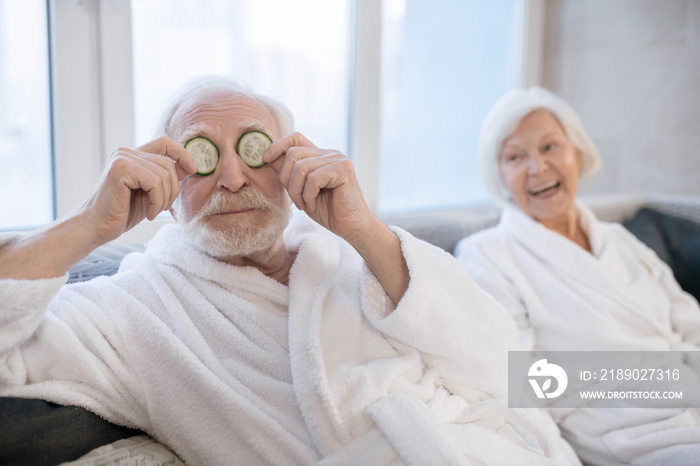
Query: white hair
[
  {"x": 504, "y": 117},
  {"x": 200, "y": 89}
]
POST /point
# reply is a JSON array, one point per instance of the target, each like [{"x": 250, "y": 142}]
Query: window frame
[{"x": 93, "y": 109}]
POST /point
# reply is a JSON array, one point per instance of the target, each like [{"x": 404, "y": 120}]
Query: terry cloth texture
[
  {"x": 620, "y": 297},
  {"x": 223, "y": 364}
]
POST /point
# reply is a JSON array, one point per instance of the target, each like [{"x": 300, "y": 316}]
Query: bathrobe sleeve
[
  {"x": 428, "y": 374},
  {"x": 481, "y": 255},
  {"x": 23, "y": 304},
  {"x": 464, "y": 335},
  {"x": 443, "y": 314},
  {"x": 685, "y": 311},
  {"x": 57, "y": 344}
]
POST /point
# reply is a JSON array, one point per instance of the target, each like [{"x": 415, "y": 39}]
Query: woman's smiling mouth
[{"x": 545, "y": 190}]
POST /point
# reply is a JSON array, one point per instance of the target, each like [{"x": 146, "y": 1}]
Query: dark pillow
[
  {"x": 676, "y": 241},
  {"x": 37, "y": 432}
]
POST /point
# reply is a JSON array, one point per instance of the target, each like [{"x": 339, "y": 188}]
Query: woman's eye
[
  {"x": 512, "y": 157},
  {"x": 550, "y": 146}
]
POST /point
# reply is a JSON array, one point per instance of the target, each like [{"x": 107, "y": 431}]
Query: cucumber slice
[
  {"x": 205, "y": 154},
  {"x": 251, "y": 147}
]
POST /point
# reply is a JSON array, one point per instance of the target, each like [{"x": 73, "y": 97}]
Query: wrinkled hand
[
  {"x": 137, "y": 183},
  {"x": 322, "y": 183}
]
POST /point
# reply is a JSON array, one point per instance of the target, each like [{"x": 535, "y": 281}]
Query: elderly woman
[{"x": 572, "y": 282}]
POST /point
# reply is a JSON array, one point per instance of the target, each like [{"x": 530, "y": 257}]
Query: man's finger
[
  {"x": 295, "y": 180},
  {"x": 169, "y": 148},
  {"x": 274, "y": 154},
  {"x": 329, "y": 176}
]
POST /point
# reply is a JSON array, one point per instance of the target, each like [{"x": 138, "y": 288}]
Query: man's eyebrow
[
  {"x": 252, "y": 125},
  {"x": 194, "y": 130}
]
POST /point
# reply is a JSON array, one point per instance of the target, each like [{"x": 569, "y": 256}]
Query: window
[
  {"x": 26, "y": 178},
  {"x": 400, "y": 86},
  {"x": 444, "y": 64},
  {"x": 297, "y": 52}
]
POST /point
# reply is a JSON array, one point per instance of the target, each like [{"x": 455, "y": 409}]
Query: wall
[{"x": 631, "y": 68}]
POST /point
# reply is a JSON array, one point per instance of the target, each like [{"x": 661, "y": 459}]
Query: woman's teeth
[{"x": 545, "y": 189}]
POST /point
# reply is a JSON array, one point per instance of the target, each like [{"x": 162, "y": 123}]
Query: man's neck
[{"x": 275, "y": 262}]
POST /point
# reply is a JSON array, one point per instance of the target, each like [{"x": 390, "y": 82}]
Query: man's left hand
[{"x": 322, "y": 183}]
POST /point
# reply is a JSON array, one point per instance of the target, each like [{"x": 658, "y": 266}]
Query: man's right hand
[{"x": 138, "y": 183}]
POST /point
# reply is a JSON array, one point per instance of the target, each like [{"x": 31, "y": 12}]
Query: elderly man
[{"x": 243, "y": 336}]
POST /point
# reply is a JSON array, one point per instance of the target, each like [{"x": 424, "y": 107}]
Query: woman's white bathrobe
[
  {"x": 204, "y": 357},
  {"x": 621, "y": 297}
]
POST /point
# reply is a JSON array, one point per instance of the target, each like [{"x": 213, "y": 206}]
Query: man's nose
[{"x": 231, "y": 172}]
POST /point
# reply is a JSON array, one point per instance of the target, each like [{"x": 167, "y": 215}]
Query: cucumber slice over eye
[
  {"x": 251, "y": 147},
  {"x": 205, "y": 154}
]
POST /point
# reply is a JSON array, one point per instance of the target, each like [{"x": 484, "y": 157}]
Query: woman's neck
[{"x": 569, "y": 226}]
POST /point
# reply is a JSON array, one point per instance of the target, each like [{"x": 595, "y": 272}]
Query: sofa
[
  {"x": 670, "y": 225},
  {"x": 37, "y": 432}
]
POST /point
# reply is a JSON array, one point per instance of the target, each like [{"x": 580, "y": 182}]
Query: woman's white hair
[
  {"x": 504, "y": 117},
  {"x": 202, "y": 88}
]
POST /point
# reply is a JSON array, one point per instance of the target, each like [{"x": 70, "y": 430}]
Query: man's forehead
[
  {"x": 231, "y": 108},
  {"x": 234, "y": 104}
]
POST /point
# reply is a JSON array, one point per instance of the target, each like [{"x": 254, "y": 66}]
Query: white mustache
[{"x": 247, "y": 198}]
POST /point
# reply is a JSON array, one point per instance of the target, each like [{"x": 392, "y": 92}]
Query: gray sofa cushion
[{"x": 104, "y": 260}]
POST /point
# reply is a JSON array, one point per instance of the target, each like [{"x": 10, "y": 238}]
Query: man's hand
[
  {"x": 323, "y": 183},
  {"x": 137, "y": 184}
]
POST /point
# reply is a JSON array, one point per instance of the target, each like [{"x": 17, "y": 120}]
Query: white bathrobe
[
  {"x": 621, "y": 297},
  {"x": 205, "y": 357}
]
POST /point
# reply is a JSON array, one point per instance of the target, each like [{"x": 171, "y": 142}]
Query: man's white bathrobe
[
  {"x": 621, "y": 297},
  {"x": 227, "y": 366}
]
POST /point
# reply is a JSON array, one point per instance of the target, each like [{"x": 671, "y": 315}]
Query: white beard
[{"x": 245, "y": 239}]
